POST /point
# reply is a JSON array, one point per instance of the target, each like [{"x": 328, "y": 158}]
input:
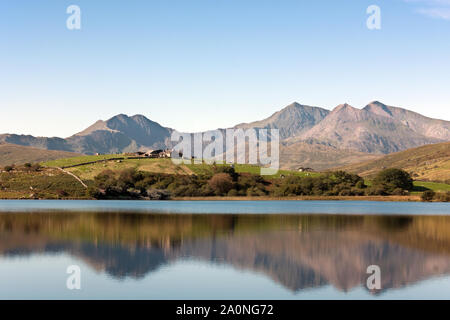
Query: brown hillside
[
  {"x": 15, "y": 154},
  {"x": 430, "y": 162}
]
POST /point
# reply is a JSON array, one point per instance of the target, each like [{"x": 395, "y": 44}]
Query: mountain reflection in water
[{"x": 296, "y": 251}]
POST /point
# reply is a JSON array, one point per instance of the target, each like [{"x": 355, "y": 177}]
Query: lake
[{"x": 224, "y": 249}]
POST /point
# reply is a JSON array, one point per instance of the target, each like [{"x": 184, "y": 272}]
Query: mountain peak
[
  {"x": 379, "y": 108},
  {"x": 294, "y": 104},
  {"x": 119, "y": 116},
  {"x": 345, "y": 107},
  {"x": 292, "y": 120},
  {"x": 376, "y": 102},
  {"x": 139, "y": 116}
]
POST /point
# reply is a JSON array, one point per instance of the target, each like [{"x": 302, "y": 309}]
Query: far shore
[{"x": 409, "y": 198}]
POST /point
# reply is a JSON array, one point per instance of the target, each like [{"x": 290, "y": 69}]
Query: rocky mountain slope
[
  {"x": 310, "y": 136},
  {"x": 292, "y": 120},
  {"x": 362, "y": 130}
]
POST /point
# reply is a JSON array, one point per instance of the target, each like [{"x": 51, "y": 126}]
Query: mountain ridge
[{"x": 375, "y": 129}]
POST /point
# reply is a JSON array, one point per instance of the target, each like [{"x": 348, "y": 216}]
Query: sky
[{"x": 195, "y": 65}]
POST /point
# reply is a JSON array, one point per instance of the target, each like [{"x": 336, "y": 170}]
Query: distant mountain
[
  {"x": 374, "y": 132},
  {"x": 291, "y": 120},
  {"x": 433, "y": 128},
  {"x": 121, "y": 134},
  {"x": 118, "y": 134},
  {"x": 310, "y": 136},
  {"x": 430, "y": 162},
  {"x": 37, "y": 142}
]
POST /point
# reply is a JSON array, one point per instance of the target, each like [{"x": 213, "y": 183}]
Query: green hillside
[{"x": 84, "y": 168}]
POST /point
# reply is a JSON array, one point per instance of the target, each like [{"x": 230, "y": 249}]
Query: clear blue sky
[{"x": 202, "y": 64}]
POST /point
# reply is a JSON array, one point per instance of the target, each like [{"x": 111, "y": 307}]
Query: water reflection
[{"x": 296, "y": 251}]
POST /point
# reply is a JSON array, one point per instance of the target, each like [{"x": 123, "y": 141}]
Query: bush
[
  {"x": 94, "y": 192},
  {"x": 35, "y": 167},
  {"x": 376, "y": 191},
  {"x": 398, "y": 192},
  {"x": 226, "y": 169},
  {"x": 442, "y": 197},
  {"x": 428, "y": 195},
  {"x": 221, "y": 183},
  {"x": 8, "y": 168},
  {"x": 392, "y": 179},
  {"x": 62, "y": 193}
]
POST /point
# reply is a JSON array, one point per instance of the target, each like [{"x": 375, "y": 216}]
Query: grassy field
[
  {"x": 424, "y": 185},
  {"x": 89, "y": 171},
  {"x": 64, "y": 162},
  {"x": 45, "y": 184},
  {"x": 247, "y": 168}
]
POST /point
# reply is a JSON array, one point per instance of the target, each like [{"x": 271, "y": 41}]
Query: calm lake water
[{"x": 224, "y": 249}]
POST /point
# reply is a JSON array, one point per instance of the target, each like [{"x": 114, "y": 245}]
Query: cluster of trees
[
  {"x": 131, "y": 183},
  {"x": 224, "y": 181},
  {"x": 25, "y": 167},
  {"x": 330, "y": 184},
  {"x": 430, "y": 195}
]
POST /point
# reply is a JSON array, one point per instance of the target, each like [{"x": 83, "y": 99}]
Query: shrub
[
  {"x": 94, "y": 192},
  {"x": 398, "y": 192},
  {"x": 428, "y": 195},
  {"x": 8, "y": 168},
  {"x": 228, "y": 170},
  {"x": 62, "y": 193},
  {"x": 221, "y": 183},
  {"x": 255, "y": 192},
  {"x": 442, "y": 197},
  {"x": 376, "y": 191},
  {"x": 345, "y": 177},
  {"x": 391, "y": 179},
  {"x": 35, "y": 167}
]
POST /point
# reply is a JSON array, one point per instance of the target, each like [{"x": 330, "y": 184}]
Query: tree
[
  {"x": 391, "y": 179},
  {"x": 428, "y": 195},
  {"x": 221, "y": 183}
]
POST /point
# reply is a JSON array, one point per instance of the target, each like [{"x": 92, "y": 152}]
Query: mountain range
[{"x": 310, "y": 136}]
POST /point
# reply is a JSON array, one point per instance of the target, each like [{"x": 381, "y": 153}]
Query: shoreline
[{"x": 408, "y": 198}]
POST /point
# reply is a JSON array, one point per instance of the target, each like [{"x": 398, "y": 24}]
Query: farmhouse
[
  {"x": 158, "y": 153},
  {"x": 152, "y": 154}
]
